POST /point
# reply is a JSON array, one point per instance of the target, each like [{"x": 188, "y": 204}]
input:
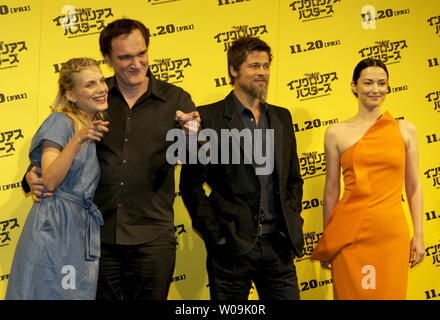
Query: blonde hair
[{"x": 67, "y": 82}]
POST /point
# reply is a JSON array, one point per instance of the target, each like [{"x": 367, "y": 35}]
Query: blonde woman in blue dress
[{"x": 57, "y": 255}]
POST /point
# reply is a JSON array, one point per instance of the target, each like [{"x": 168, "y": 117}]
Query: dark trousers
[
  {"x": 137, "y": 272},
  {"x": 269, "y": 265}
]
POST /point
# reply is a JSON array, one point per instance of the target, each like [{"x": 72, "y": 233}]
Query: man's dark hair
[
  {"x": 117, "y": 28},
  {"x": 240, "y": 49}
]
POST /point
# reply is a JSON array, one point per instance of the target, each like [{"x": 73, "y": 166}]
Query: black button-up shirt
[
  {"x": 267, "y": 201},
  {"x": 136, "y": 191}
]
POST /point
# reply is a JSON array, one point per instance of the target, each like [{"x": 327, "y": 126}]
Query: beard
[{"x": 259, "y": 92}]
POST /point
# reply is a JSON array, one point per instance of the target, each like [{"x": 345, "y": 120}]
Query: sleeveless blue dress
[{"x": 57, "y": 255}]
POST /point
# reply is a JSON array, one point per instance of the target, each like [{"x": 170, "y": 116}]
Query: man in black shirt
[
  {"x": 250, "y": 222},
  {"x": 136, "y": 190}
]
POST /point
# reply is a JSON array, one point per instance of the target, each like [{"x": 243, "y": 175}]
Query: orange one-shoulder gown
[{"x": 366, "y": 237}]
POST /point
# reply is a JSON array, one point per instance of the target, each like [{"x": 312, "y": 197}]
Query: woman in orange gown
[{"x": 366, "y": 239}]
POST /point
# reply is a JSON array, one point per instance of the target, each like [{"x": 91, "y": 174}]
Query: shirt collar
[{"x": 241, "y": 108}]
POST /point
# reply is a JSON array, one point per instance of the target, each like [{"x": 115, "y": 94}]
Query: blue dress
[{"x": 57, "y": 255}]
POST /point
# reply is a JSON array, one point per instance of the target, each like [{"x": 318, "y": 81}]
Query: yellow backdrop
[{"x": 316, "y": 44}]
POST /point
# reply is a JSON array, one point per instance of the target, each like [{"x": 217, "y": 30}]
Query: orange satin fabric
[{"x": 366, "y": 238}]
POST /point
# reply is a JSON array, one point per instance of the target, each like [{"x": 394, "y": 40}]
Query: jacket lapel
[
  {"x": 277, "y": 126},
  {"x": 234, "y": 121},
  {"x": 233, "y": 118}
]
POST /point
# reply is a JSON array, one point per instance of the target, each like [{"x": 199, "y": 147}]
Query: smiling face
[
  {"x": 371, "y": 87},
  {"x": 90, "y": 91},
  {"x": 129, "y": 59},
  {"x": 252, "y": 77}
]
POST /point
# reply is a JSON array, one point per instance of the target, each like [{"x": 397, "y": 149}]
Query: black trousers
[
  {"x": 137, "y": 272},
  {"x": 269, "y": 265}
]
